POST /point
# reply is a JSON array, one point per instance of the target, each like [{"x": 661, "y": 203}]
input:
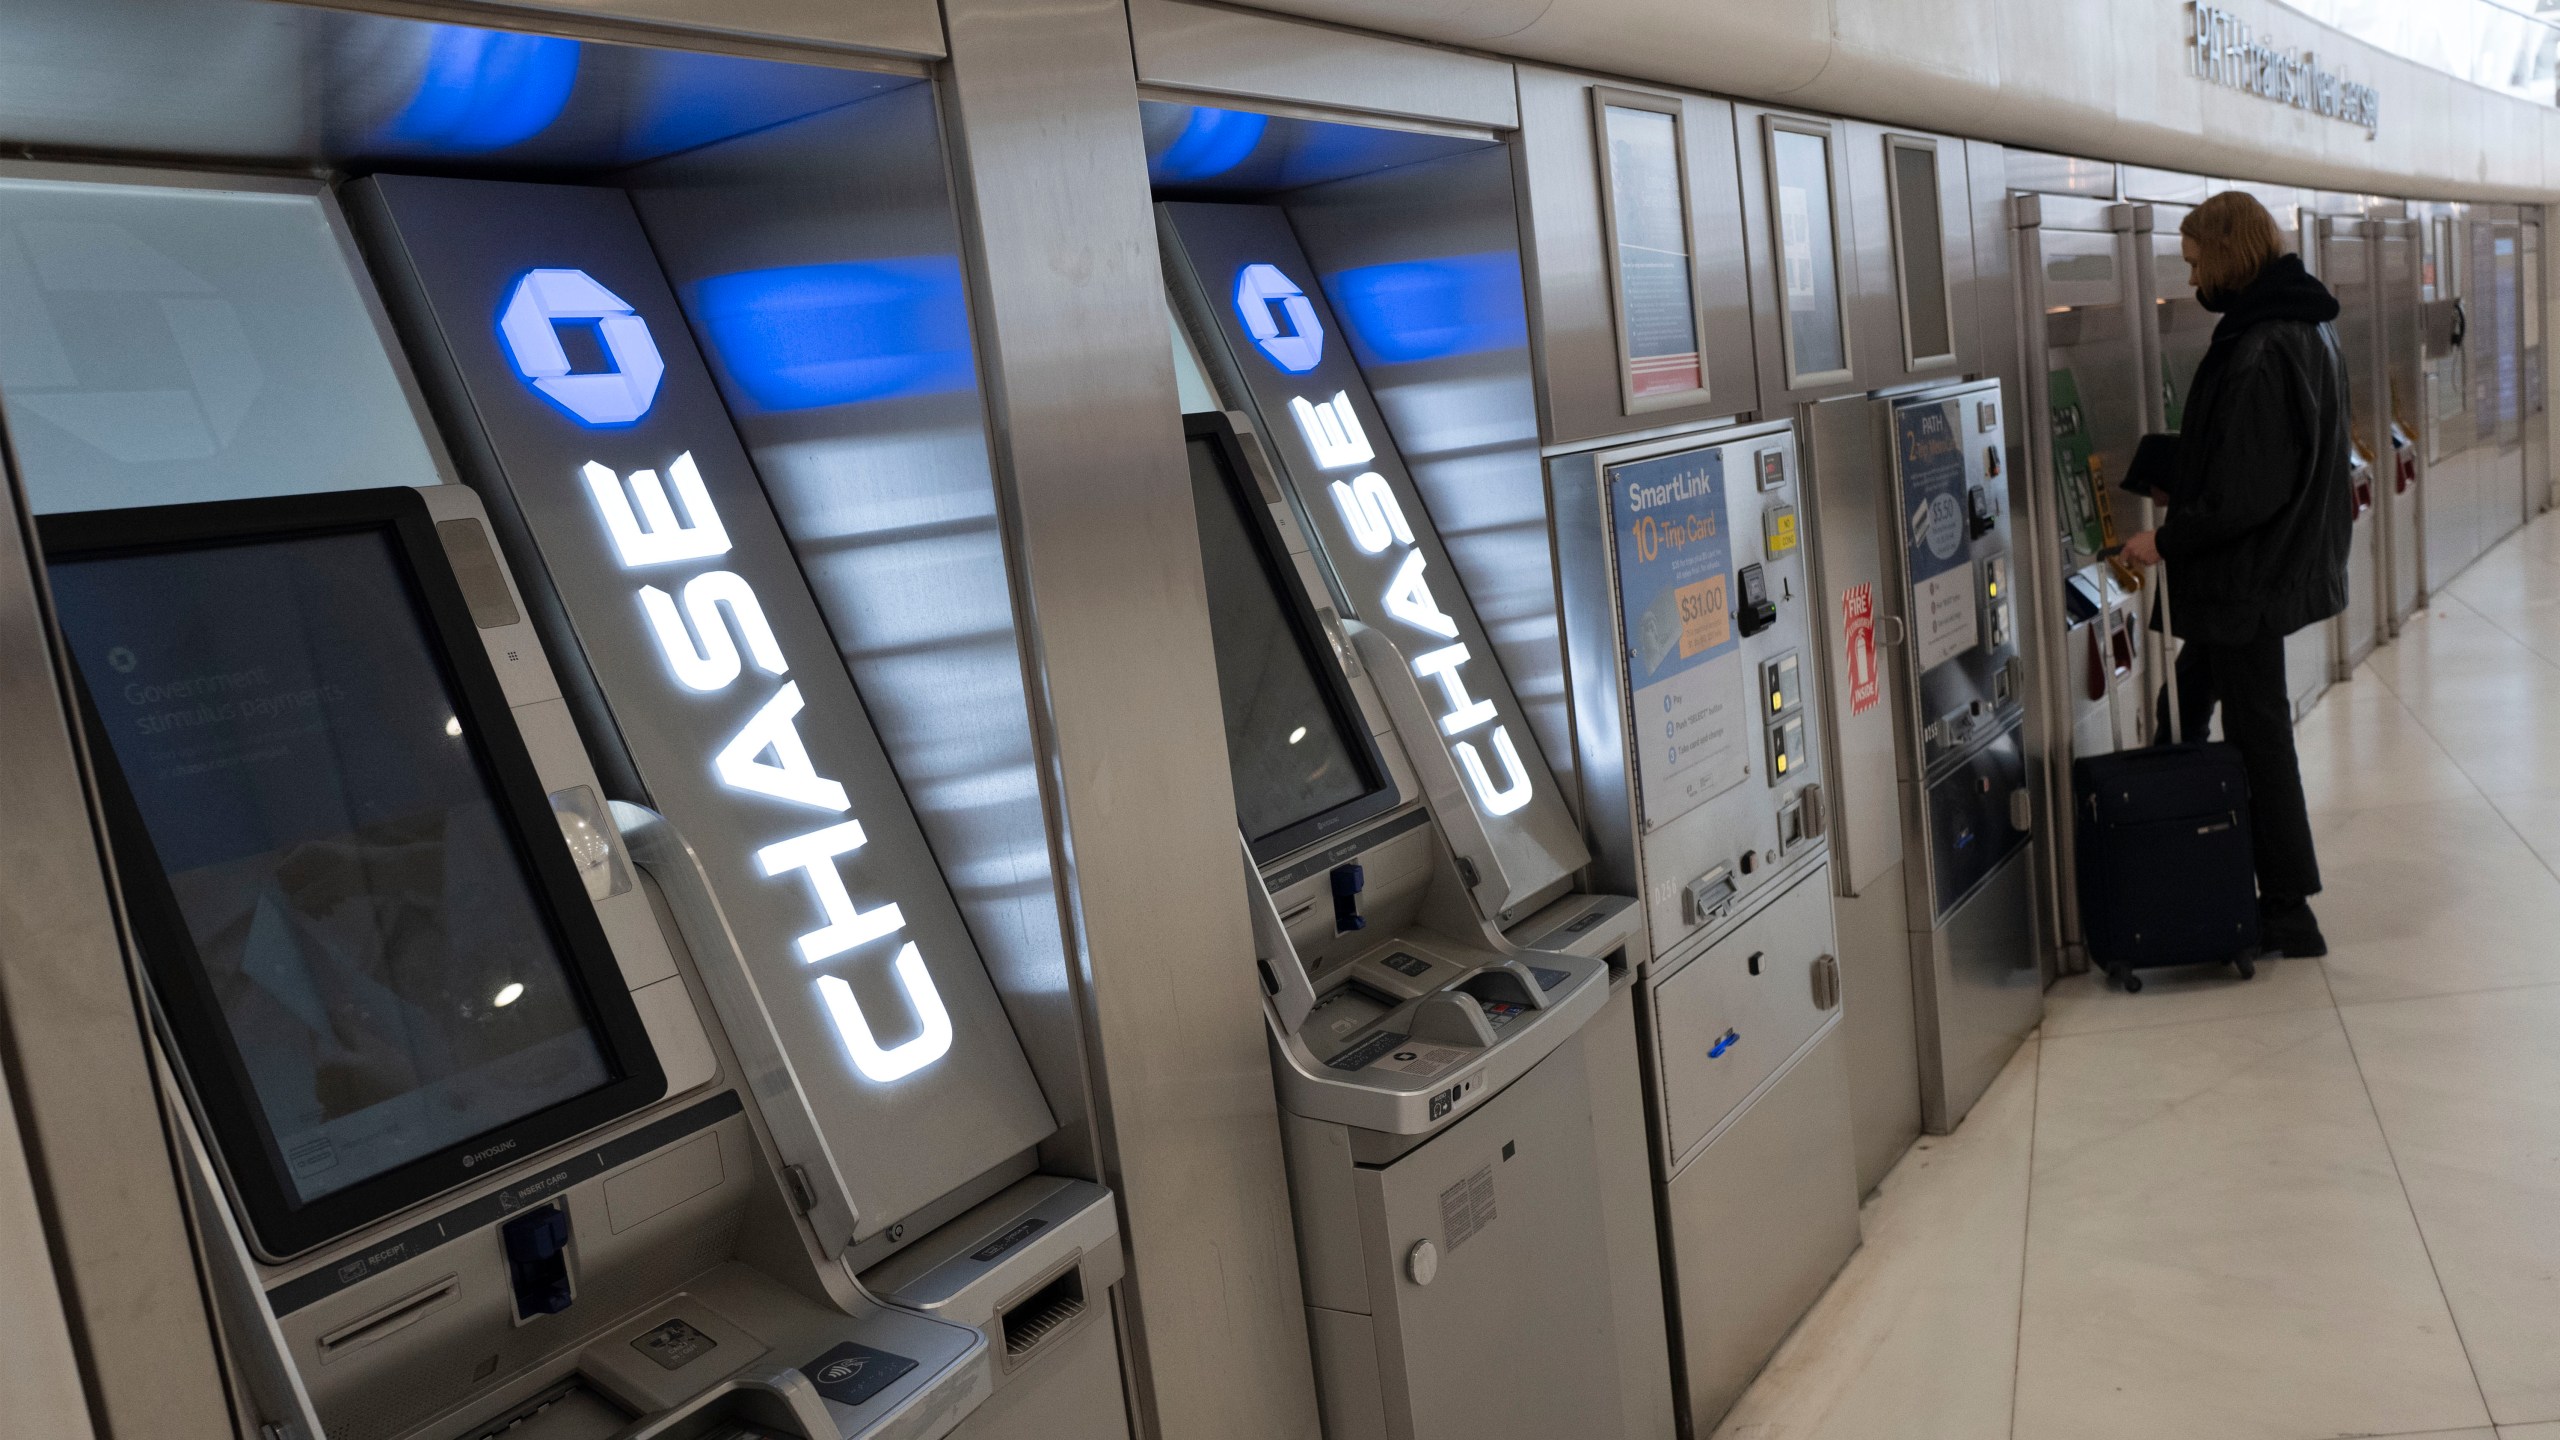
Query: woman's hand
[{"x": 2143, "y": 548}]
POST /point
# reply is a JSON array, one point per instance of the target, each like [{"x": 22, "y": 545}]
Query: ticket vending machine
[
  {"x": 2399, "y": 316},
  {"x": 1432, "y": 974},
  {"x": 2347, "y": 260},
  {"x": 1684, "y": 603},
  {"x": 1688, "y": 612},
  {"x": 2084, "y": 409},
  {"x": 1938, "y": 546},
  {"x": 576, "y": 1031}
]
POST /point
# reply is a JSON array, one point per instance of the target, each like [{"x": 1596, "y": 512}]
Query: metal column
[
  {"x": 1107, "y": 573},
  {"x": 132, "y": 1316}
]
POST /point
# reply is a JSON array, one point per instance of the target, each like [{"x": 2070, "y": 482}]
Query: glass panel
[
  {"x": 1920, "y": 248},
  {"x": 161, "y": 344},
  {"x": 2501, "y": 44},
  {"x": 1285, "y": 747},
  {"x": 1657, "y": 311},
  {"x": 382, "y": 966},
  {"x": 1808, "y": 274}
]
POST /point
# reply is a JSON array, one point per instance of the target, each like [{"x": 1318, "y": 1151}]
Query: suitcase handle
[{"x": 2167, "y": 652}]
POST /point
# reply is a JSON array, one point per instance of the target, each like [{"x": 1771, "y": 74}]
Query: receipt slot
[{"x": 1436, "y": 1061}]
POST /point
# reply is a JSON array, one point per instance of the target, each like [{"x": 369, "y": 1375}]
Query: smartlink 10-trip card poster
[{"x": 1690, "y": 724}]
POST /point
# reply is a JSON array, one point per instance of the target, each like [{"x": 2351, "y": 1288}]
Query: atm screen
[
  {"x": 1303, "y": 767},
  {"x": 338, "y": 902}
]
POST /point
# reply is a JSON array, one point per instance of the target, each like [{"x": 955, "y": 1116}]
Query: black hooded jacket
[{"x": 2263, "y": 509}]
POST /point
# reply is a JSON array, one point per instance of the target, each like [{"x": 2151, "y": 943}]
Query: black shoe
[{"x": 2291, "y": 930}]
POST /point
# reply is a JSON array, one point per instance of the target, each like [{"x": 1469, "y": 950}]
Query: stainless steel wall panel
[
  {"x": 1231, "y": 52},
  {"x": 78, "y": 1066},
  {"x": 1847, "y": 477},
  {"x": 888, "y": 500},
  {"x": 1096, "y": 496},
  {"x": 2046, "y": 174},
  {"x": 1888, "y": 353},
  {"x": 301, "y": 87},
  {"x": 40, "y": 1372},
  {"x": 1879, "y": 1025},
  {"x": 2141, "y": 182},
  {"x": 895, "y": 27},
  {"x": 1574, "y": 317}
]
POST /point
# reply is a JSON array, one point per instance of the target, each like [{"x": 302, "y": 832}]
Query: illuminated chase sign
[
  {"x": 709, "y": 685},
  {"x": 1247, "y": 276},
  {"x": 1280, "y": 318},
  {"x": 617, "y": 395},
  {"x": 766, "y": 756},
  {"x": 1375, "y": 520}
]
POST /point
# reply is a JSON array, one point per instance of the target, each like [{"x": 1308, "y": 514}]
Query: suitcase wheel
[
  {"x": 2248, "y": 966},
  {"x": 2124, "y": 976}
]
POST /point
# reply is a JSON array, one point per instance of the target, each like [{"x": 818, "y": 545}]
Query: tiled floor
[{"x": 2323, "y": 1203}]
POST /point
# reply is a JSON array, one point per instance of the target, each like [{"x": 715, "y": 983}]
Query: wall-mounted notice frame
[
  {"x": 1812, "y": 317},
  {"x": 1920, "y": 252},
  {"x": 1644, "y": 193}
]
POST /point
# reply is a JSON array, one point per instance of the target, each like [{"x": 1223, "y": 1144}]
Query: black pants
[{"x": 2247, "y": 681}]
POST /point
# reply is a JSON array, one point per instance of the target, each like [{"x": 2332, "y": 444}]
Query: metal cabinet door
[
  {"x": 1725, "y": 1022},
  {"x": 1512, "y": 1338}
]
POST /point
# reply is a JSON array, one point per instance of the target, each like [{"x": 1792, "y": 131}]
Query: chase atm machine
[
  {"x": 579, "y": 1037},
  {"x": 1431, "y": 973}
]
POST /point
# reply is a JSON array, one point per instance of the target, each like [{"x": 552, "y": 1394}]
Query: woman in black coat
[{"x": 2259, "y": 521}]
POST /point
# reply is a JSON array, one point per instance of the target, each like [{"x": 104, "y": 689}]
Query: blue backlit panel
[
  {"x": 805, "y": 336},
  {"x": 1435, "y": 309},
  {"x": 1209, "y": 143},
  {"x": 484, "y": 90},
  {"x": 1204, "y": 149}
]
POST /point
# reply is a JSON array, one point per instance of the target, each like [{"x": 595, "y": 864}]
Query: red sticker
[{"x": 1858, "y": 628}]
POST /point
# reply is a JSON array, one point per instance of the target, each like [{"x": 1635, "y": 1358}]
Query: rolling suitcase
[{"x": 2165, "y": 871}]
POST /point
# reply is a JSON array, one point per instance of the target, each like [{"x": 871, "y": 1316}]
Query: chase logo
[
  {"x": 546, "y": 299},
  {"x": 1263, "y": 297}
]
